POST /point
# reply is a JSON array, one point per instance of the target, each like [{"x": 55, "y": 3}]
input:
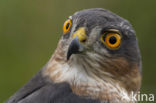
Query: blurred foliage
[{"x": 30, "y": 30}]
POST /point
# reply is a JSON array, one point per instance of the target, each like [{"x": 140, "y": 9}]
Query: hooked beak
[{"x": 76, "y": 46}]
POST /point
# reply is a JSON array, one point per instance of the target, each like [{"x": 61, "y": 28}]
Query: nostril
[{"x": 83, "y": 41}]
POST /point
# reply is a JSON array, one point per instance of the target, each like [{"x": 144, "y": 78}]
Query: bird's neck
[
  {"x": 83, "y": 84},
  {"x": 86, "y": 82}
]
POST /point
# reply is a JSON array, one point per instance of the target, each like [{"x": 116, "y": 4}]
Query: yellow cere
[{"x": 81, "y": 34}]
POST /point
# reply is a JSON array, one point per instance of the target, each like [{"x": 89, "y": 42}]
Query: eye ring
[
  {"x": 67, "y": 25},
  {"x": 111, "y": 39}
]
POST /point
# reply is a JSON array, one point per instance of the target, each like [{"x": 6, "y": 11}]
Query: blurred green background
[{"x": 30, "y": 30}]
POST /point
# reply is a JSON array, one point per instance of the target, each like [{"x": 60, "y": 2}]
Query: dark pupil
[
  {"x": 67, "y": 26},
  {"x": 112, "y": 40}
]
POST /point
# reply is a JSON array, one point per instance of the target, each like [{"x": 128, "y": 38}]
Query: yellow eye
[
  {"x": 111, "y": 40},
  {"x": 67, "y": 26}
]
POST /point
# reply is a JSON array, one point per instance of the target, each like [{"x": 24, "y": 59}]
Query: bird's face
[
  {"x": 99, "y": 32},
  {"x": 103, "y": 43}
]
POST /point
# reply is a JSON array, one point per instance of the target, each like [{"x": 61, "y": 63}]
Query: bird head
[
  {"x": 98, "y": 44},
  {"x": 99, "y": 32}
]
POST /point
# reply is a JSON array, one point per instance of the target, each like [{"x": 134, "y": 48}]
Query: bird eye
[
  {"x": 111, "y": 39},
  {"x": 67, "y": 26}
]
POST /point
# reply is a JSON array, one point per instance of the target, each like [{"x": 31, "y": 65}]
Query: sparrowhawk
[{"x": 97, "y": 60}]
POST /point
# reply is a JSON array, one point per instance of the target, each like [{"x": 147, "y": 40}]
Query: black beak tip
[
  {"x": 68, "y": 55},
  {"x": 73, "y": 48}
]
